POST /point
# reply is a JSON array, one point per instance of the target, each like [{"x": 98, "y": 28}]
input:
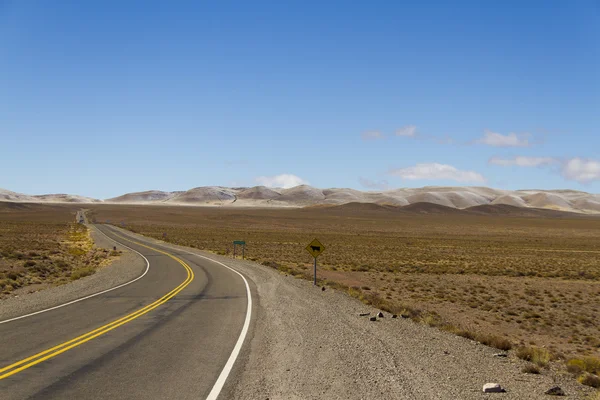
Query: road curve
[{"x": 173, "y": 334}]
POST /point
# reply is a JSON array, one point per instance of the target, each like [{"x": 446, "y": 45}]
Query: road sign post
[
  {"x": 315, "y": 248},
  {"x": 241, "y": 243}
]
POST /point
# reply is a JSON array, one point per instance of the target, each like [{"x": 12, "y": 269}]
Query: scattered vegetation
[
  {"x": 42, "y": 245},
  {"x": 529, "y": 283},
  {"x": 589, "y": 380},
  {"x": 536, "y": 355},
  {"x": 530, "y": 369}
]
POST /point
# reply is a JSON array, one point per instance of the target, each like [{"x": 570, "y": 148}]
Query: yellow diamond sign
[{"x": 315, "y": 248}]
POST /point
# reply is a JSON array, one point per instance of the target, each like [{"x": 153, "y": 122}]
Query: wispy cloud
[
  {"x": 435, "y": 171},
  {"x": 522, "y": 161},
  {"x": 281, "y": 181},
  {"x": 581, "y": 170},
  {"x": 407, "y": 131},
  {"x": 368, "y": 183},
  {"x": 372, "y": 135},
  {"x": 499, "y": 140}
]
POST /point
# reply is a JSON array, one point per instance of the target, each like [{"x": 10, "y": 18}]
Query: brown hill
[{"x": 432, "y": 208}]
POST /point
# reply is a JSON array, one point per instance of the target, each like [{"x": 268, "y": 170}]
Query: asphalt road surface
[{"x": 172, "y": 334}]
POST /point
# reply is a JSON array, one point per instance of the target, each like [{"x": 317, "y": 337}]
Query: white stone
[{"x": 492, "y": 388}]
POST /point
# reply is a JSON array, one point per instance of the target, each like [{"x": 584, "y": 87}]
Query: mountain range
[{"x": 304, "y": 195}]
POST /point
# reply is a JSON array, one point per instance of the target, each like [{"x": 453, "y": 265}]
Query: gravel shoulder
[
  {"x": 306, "y": 343},
  {"x": 127, "y": 267}
]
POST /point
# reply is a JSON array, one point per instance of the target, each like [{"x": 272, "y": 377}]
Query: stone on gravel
[
  {"x": 373, "y": 319},
  {"x": 493, "y": 388},
  {"x": 364, "y": 314},
  {"x": 555, "y": 391},
  {"x": 394, "y": 316},
  {"x": 380, "y": 315},
  {"x": 500, "y": 355}
]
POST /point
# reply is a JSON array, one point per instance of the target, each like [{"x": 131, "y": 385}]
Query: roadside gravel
[
  {"x": 125, "y": 268},
  {"x": 307, "y": 343}
]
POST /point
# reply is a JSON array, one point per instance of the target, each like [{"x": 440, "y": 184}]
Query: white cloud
[
  {"x": 372, "y": 135},
  {"x": 581, "y": 170},
  {"x": 435, "y": 171},
  {"x": 408, "y": 131},
  {"x": 521, "y": 161},
  {"x": 368, "y": 183},
  {"x": 499, "y": 140},
  {"x": 281, "y": 181}
]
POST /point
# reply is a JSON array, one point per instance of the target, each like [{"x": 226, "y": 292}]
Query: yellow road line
[{"x": 61, "y": 348}]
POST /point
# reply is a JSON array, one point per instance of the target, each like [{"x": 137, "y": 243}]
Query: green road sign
[{"x": 239, "y": 242}]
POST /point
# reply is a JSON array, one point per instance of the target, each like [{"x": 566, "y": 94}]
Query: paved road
[{"x": 175, "y": 348}]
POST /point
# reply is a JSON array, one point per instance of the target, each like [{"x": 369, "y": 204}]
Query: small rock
[
  {"x": 500, "y": 355},
  {"x": 446, "y": 352},
  {"x": 555, "y": 391},
  {"x": 394, "y": 316},
  {"x": 493, "y": 388},
  {"x": 323, "y": 288},
  {"x": 364, "y": 314},
  {"x": 373, "y": 319},
  {"x": 380, "y": 315}
]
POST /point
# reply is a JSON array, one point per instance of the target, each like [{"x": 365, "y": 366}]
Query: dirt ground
[
  {"x": 533, "y": 280},
  {"x": 42, "y": 246}
]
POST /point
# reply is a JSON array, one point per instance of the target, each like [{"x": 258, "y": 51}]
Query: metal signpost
[
  {"x": 241, "y": 243},
  {"x": 315, "y": 248}
]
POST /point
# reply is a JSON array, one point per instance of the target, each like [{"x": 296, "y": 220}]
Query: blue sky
[{"x": 103, "y": 98}]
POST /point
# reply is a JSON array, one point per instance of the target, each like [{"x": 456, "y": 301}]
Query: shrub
[
  {"x": 29, "y": 263},
  {"x": 77, "y": 252},
  {"x": 488, "y": 340},
  {"x": 497, "y": 342},
  {"x": 530, "y": 369},
  {"x": 81, "y": 272},
  {"x": 537, "y": 355},
  {"x": 587, "y": 364},
  {"x": 589, "y": 380}
]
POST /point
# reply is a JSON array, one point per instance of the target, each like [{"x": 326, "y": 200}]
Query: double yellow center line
[{"x": 35, "y": 359}]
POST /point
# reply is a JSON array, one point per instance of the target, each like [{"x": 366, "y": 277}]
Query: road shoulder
[
  {"x": 127, "y": 267},
  {"x": 306, "y": 343}
]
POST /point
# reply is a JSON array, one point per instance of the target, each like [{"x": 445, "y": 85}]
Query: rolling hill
[{"x": 430, "y": 199}]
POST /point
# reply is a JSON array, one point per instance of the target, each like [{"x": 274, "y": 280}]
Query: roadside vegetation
[
  {"x": 528, "y": 284},
  {"x": 42, "y": 246}
]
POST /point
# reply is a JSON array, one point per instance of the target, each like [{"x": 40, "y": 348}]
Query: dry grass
[
  {"x": 530, "y": 369},
  {"x": 589, "y": 380},
  {"x": 528, "y": 282},
  {"x": 41, "y": 245},
  {"x": 538, "y": 356}
]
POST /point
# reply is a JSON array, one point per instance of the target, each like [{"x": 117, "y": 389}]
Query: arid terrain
[
  {"x": 303, "y": 195},
  {"x": 41, "y": 245},
  {"x": 512, "y": 278},
  {"x": 506, "y": 278}
]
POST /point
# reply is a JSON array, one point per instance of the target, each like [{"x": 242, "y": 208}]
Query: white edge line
[
  {"x": 91, "y": 295},
  {"x": 218, "y": 386}
]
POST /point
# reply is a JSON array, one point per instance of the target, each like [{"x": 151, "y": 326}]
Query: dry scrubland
[
  {"x": 507, "y": 281},
  {"x": 41, "y": 245}
]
